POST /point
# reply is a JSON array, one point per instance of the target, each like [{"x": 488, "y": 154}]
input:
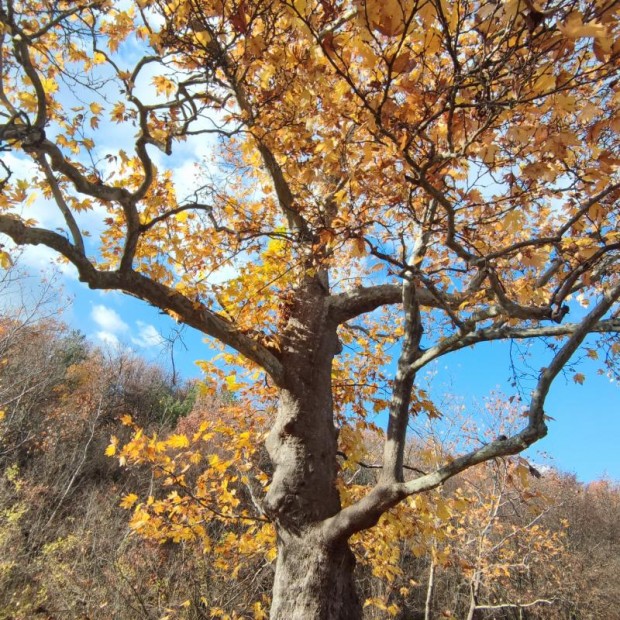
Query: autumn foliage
[{"x": 337, "y": 194}]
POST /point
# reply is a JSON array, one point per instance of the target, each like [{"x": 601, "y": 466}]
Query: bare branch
[
  {"x": 536, "y": 413},
  {"x": 385, "y": 495},
  {"x": 539, "y": 601},
  {"x": 505, "y": 332},
  {"x": 62, "y": 204}
]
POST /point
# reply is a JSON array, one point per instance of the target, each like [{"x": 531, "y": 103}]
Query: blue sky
[{"x": 583, "y": 435}]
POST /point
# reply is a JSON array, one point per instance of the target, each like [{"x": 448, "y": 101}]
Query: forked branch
[{"x": 366, "y": 512}]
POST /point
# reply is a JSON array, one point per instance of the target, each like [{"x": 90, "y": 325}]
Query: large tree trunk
[
  {"x": 314, "y": 581},
  {"x": 314, "y": 576}
]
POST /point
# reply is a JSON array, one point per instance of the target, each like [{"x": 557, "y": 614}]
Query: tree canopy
[{"x": 390, "y": 180}]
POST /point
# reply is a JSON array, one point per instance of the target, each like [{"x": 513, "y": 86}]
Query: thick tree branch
[
  {"x": 62, "y": 205},
  {"x": 536, "y": 413},
  {"x": 14, "y": 227},
  {"x": 60, "y": 163},
  {"x": 512, "y": 308},
  {"x": 192, "y": 312},
  {"x": 396, "y": 437},
  {"x": 384, "y": 496},
  {"x": 394, "y": 449},
  {"x": 346, "y": 306},
  {"x": 460, "y": 341},
  {"x": 22, "y": 54}
]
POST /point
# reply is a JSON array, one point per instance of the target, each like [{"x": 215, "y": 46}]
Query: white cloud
[
  {"x": 46, "y": 213},
  {"x": 147, "y": 336},
  {"x": 108, "y": 320},
  {"x": 21, "y": 167},
  {"x": 43, "y": 211},
  {"x": 108, "y": 338},
  {"x": 43, "y": 259}
]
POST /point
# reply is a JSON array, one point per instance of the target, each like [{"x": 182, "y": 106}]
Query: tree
[{"x": 393, "y": 179}]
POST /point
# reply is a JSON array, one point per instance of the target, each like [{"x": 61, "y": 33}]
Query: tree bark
[
  {"x": 428, "y": 604},
  {"x": 314, "y": 571},
  {"x": 314, "y": 580}
]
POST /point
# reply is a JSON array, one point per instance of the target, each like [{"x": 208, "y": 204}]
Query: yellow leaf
[
  {"x": 388, "y": 16},
  {"x": 488, "y": 154},
  {"x": 443, "y": 512},
  {"x": 301, "y": 6},
  {"x": 231, "y": 383},
  {"x": 164, "y": 85},
  {"x": 178, "y": 441},
  {"x": 513, "y": 221},
  {"x": 128, "y": 501},
  {"x": 460, "y": 505},
  {"x": 359, "y": 247},
  {"x": 326, "y": 236},
  {"x": 403, "y": 63},
  {"x": 597, "y": 213},
  {"x": 533, "y": 258},
  {"x": 579, "y": 378},
  {"x": 5, "y": 260},
  {"x": 523, "y": 471},
  {"x": 203, "y": 37},
  {"x": 545, "y": 83},
  {"x": 50, "y": 85},
  {"x": 574, "y": 28},
  {"x": 96, "y": 108},
  {"x": 450, "y": 13},
  {"x": 28, "y": 101},
  {"x": 259, "y": 612},
  {"x": 118, "y": 112},
  {"x": 111, "y": 449}
]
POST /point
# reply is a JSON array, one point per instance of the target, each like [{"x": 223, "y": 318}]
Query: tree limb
[
  {"x": 346, "y": 306},
  {"x": 192, "y": 312},
  {"x": 540, "y": 601},
  {"x": 366, "y": 512},
  {"x": 62, "y": 205},
  {"x": 396, "y": 435}
]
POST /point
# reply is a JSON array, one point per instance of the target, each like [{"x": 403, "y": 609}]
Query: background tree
[{"x": 447, "y": 169}]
